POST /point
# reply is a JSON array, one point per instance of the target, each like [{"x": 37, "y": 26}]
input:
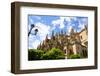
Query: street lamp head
[
  {"x": 32, "y": 25},
  {"x": 36, "y": 30}
]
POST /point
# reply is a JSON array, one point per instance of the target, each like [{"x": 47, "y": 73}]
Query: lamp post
[{"x": 36, "y": 30}]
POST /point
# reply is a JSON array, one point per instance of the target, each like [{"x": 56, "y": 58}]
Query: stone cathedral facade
[{"x": 74, "y": 43}]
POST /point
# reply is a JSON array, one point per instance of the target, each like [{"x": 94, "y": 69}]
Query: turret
[{"x": 86, "y": 28}]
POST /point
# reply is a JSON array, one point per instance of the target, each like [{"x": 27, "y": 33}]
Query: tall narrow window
[{"x": 81, "y": 37}]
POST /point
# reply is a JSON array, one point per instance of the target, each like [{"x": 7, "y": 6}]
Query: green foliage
[
  {"x": 76, "y": 56},
  {"x": 54, "y": 53},
  {"x": 34, "y": 54}
]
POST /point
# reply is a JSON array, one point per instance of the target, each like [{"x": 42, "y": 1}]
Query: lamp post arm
[{"x": 30, "y": 31}]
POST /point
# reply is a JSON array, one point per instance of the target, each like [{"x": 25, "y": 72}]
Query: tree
[
  {"x": 34, "y": 54},
  {"x": 54, "y": 53},
  {"x": 74, "y": 56}
]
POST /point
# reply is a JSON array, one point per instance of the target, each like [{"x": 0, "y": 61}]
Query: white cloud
[
  {"x": 82, "y": 23},
  {"x": 43, "y": 30},
  {"x": 56, "y": 22},
  {"x": 35, "y": 44},
  {"x": 62, "y": 25},
  {"x": 81, "y": 26},
  {"x": 73, "y": 25},
  {"x": 68, "y": 19},
  {"x": 69, "y": 29},
  {"x": 69, "y": 25},
  {"x": 31, "y": 40},
  {"x": 85, "y": 21},
  {"x": 31, "y": 21},
  {"x": 74, "y": 18},
  {"x": 59, "y": 22}
]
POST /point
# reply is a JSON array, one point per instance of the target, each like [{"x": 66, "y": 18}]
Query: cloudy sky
[{"x": 47, "y": 24}]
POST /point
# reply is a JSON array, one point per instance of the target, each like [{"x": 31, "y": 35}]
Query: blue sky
[{"x": 46, "y": 24}]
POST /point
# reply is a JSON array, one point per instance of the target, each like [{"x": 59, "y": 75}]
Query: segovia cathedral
[{"x": 74, "y": 43}]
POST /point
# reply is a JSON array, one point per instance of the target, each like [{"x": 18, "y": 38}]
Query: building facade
[{"x": 74, "y": 43}]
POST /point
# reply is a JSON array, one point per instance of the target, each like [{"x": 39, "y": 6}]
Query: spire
[
  {"x": 61, "y": 32},
  {"x": 56, "y": 34},
  {"x": 72, "y": 31},
  {"x": 47, "y": 36},
  {"x": 85, "y": 27},
  {"x": 64, "y": 32},
  {"x": 40, "y": 45},
  {"x": 52, "y": 33}
]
